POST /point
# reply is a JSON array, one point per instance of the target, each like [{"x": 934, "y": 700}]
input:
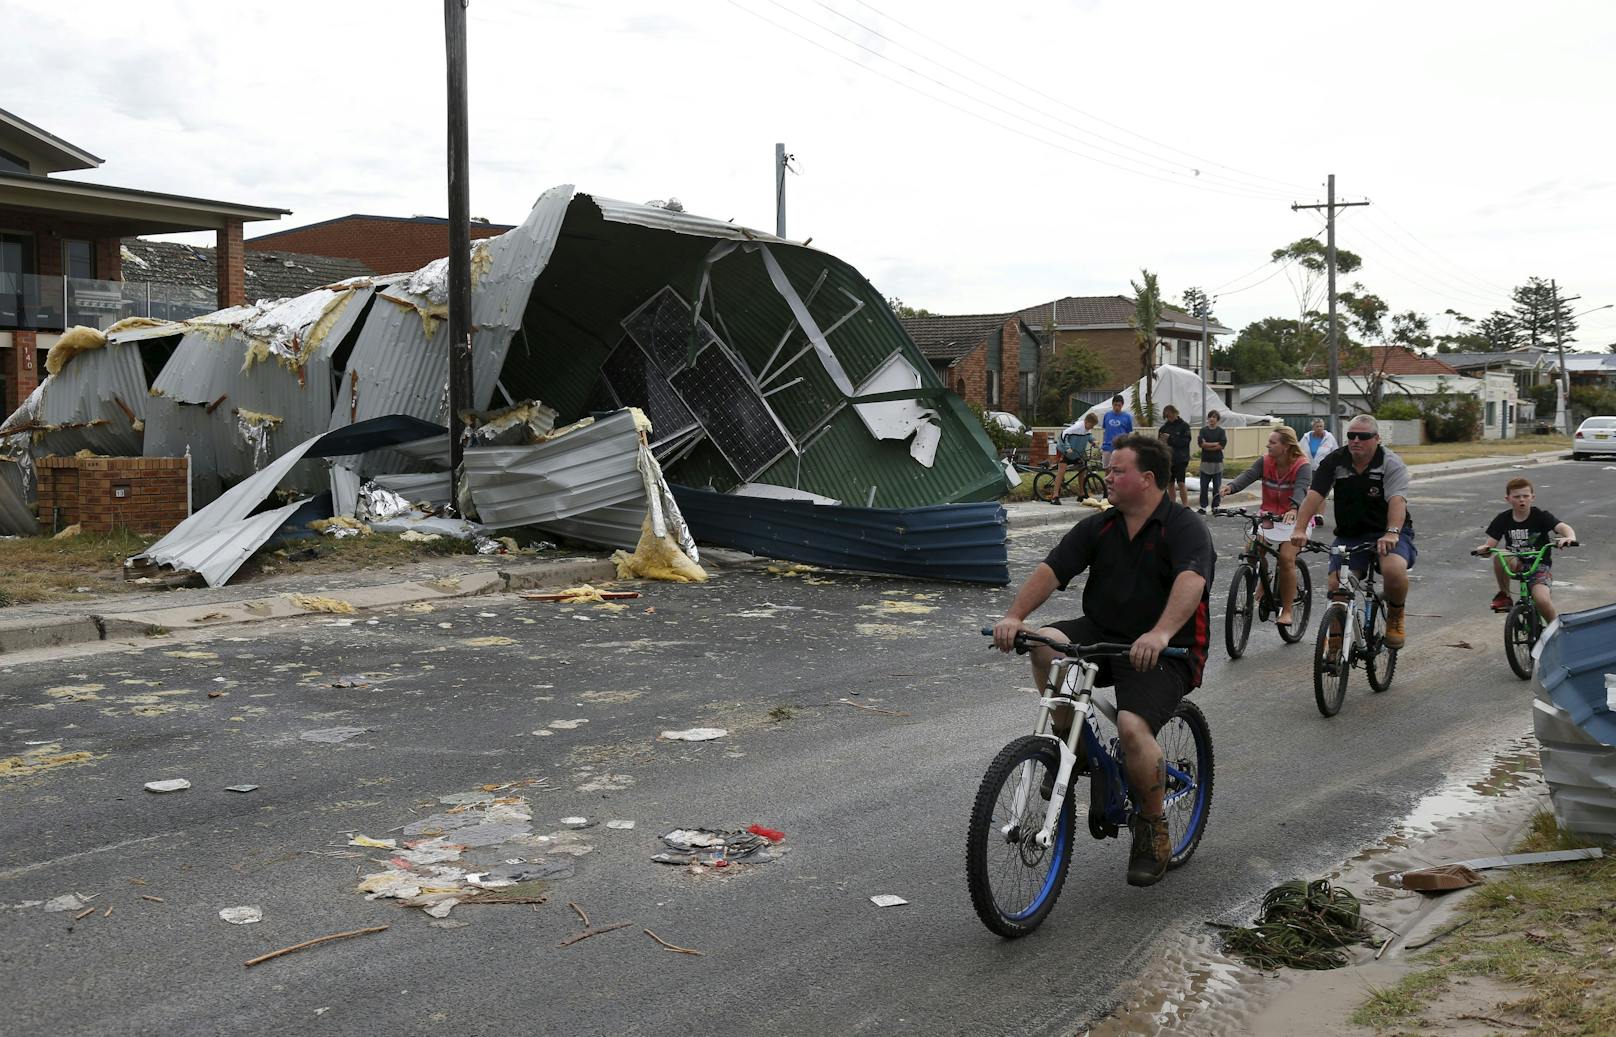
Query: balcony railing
[{"x": 28, "y": 301}]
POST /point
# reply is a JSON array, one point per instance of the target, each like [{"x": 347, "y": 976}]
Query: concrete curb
[{"x": 70, "y": 629}]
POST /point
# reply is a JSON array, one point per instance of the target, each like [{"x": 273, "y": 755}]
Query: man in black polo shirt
[{"x": 1150, "y": 563}]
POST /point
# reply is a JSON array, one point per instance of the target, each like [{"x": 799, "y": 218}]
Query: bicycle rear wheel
[
  {"x": 1301, "y": 606},
  {"x": 1237, "y": 616},
  {"x": 1041, "y": 484},
  {"x": 1380, "y": 661},
  {"x": 1330, "y": 678},
  {"x": 1014, "y": 881},
  {"x": 1520, "y": 633},
  {"x": 1186, "y": 743}
]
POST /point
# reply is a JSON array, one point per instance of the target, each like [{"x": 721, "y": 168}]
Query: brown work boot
[
  {"x": 1147, "y": 862},
  {"x": 1394, "y": 626}
]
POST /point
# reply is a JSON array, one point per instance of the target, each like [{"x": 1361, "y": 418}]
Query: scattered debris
[
  {"x": 567, "y": 725},
  {"x": 333, "y": 735},
  {"x": 578, "y": 822},
  {"x": 771, "y": 834},
  {"x": 65, "y": 902},
  {"x": 1302, "y": 925},
  {"x": 695, "y": 734},
  {"x": 1512, "y": 860},
  {"x": 493, "y": 641},
  {"x": 246, "y": 915},
  {"x": 67, "y": 534},
  {"x": 317, "y": 603},
  {"x": 1434, "y": 937},
  {"x": 354, "y": 681},
  {"x": 310, "y": 943},
  {"x": 581, "y": 594},
  {"x": 621, "y": 826},
  {"x": 718, "y": 849},
  {"x": 340, "y": 527},
  {"x": 415, "y": 537},
  {"x": 872, "y": 709},
  {"x": 241, "y": 788},
  {"x": 379, "y": 844},
  {"x": 47, "y": 757},
  {"x": 215, "y": 694},
  {"x": 888, "y": 900},
  {"x": 448, "y": 923},
  {"x": 1460, "y": 644},
  {"x": 168, "y": 785},
  {"x": 675, "y": 948},
  {"x": 209, "y": 618},
  {"x": 1440, "y": 879},
  {"x": 155, "y": 900},
  {"x": 87, "y": 912}
]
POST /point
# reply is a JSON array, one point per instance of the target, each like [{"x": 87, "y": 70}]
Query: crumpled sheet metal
[
  {"x": 16, "y": 512},
  {"x": 398, "y": 363},
  {"x": 585, "y": 482},
  {"x": 1574, "y": 719}
]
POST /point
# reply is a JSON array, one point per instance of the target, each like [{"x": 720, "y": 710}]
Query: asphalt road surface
[{"x": 871, "y": 802}]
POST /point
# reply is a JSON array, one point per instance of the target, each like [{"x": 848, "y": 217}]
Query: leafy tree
[
  {"x": 1412, "y": 330},
  {"x": 1004, "y": 440},
  {"x": 1500, "y": 331},
  {"x": 1536, "y": 305},
  {"x": 1398, "y": 408},
  {"x": 1147, "y": 314},
  {"x": 1197, "y": 304},
  {"x": 1545, "y": 397},
  {"x": 1073, "y": 368},
  {"x": 1450, "y": 417},
  {"x": 1365, "y": 312},
  {"x": 1308, "y": 269},
  {"x": 903, "y": 309},
  {"x": 1591, "y": 399},
  {"x": 1264, "y": 350}
]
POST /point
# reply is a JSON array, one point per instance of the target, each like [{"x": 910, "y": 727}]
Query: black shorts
[
  {"x": 1180, "y": 469},
  {"x": 1152, "y": 694}
]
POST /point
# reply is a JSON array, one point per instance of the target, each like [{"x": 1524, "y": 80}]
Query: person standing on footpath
[
  {"x": 1212, "y": 439},
  {"x": 1116, "y": 422},
  {"x": 1319, "y": 442},
  {"x": 1175, "y": 432}
]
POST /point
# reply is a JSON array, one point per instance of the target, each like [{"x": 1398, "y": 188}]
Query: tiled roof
[
  {"x": 1083, "y": 310},
  {"x": 1394, "y": 360},
  {"x": 949, "y": 338},
  {"x": 269, "y": 275}
]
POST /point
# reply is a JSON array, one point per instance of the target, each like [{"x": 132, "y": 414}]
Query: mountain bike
[
  {"x": 1524, "y": 624},
  {"x": 1253, "y": 571},
  {"x": 1082, "y": 480},
  {"x": 1020, "y": 841},
  {"x": 1359, "y": 605}
]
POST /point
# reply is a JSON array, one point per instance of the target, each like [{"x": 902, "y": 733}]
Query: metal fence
[{"x": 32, "y": 302}]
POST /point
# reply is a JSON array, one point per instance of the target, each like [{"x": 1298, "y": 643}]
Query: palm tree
[{"x": 1147, "y": 313}]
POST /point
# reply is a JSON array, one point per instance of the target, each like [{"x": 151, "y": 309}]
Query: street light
[{"x": 1562, "y": 417}]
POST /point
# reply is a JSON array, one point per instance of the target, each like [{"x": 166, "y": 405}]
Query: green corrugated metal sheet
[{"x": 602, "y": 269}]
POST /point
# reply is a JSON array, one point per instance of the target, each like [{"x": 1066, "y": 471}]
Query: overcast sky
[{"x": 967, "y": 158}]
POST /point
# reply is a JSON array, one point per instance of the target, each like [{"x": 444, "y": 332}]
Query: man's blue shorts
[{"x": 1405, "y": 550}]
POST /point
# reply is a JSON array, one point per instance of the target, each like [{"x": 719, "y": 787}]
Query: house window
[
  {"x": 1029, "y": 392},
  {"x": 16, "y": 266},
  {"x": 993, "y": 388},
  {"x": 78, "y": 258},
  {"x": 10, "y": 163}
]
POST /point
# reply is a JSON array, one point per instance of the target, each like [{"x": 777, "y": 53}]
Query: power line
[
  {"x": 1464, "y": 276},
  {"x": 1229, "y": 181},
  {"x": 1068, "y": 105},
  {"x": 977, "y": 115}
]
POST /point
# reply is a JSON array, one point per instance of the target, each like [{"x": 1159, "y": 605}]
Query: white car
[
  {"x": 1007, "y": 421},
  {"x": 1594, "y": 436}
]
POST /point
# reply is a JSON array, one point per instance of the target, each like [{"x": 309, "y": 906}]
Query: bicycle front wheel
[
  {"x": 1301, "y": 606},
  {"x": 1041, "y": 484},
  {"x": 1094, "y": 486},
  {"x": 1381, "y": 661},
  {"x": 1014, "y": 881},
  {"x": 1237, "y": 615},
  {"x": 1520, "y": 633},
  {"x": 1186, "y": 744},
  {"x": 1330, "y": 668}
]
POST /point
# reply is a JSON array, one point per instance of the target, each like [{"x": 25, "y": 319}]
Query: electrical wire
[
  {"x": 977, "y": 115},
  {"x": 1065, "y": 104},
  {"x": 1390, "y": 225},
  {"x": 1227, "y": 180}
]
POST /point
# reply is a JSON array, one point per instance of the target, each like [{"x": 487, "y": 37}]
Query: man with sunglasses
[{"x": 1371, "y": 506}]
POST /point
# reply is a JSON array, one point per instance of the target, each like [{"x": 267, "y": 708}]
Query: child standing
[
  {"x": 1523, "y": 527},
  {"x": 1175, "y": 432},
  {"x": 1212, "y": 439}
]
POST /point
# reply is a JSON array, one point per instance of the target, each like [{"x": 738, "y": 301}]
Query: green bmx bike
[{"x": 1524, "y": 624}]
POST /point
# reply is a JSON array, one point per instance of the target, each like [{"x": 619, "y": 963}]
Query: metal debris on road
[
  {"x": 695, "y": 734},
  {"x": 621, "y": 826},
  {"x": 65, "y": 902},
  {"x": 168, "y": 785},
  {"x": 241, "y": 788},
  {"x": 245, "y": 915},
  {"x": 333, "y": 735},
  {"x": 352, "y": 681},
  {"x": 888, "y": 900},
  {"x": 718, "y": 849}
]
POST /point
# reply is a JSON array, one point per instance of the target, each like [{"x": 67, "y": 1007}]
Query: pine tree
[{"x": 1536, "y": 304}]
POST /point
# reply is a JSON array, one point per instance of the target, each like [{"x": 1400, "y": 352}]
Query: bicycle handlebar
[
  {"x": 1536, "y": 552},
  {"x": 1023, "y": 639}
]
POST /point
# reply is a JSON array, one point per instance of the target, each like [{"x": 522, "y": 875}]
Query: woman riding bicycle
[{"x": 1286, "y": 474}]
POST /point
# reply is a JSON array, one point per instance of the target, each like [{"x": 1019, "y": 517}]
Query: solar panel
[
  {"x": 661, "y": 326},
  {"x": 637, "y": 382},
  {"x": 729, "y": 407}
]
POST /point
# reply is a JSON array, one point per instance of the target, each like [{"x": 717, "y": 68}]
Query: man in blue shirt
[{"x": 1116, "y": 423}]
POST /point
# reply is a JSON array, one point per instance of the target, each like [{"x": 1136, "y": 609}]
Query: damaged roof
[{"x": 269, "y": 275}]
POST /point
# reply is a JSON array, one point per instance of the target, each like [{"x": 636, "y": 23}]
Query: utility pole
[
  {"x": 460, "y": 388},
  {"x": 1330, "y": 206},
  {"x": 1562, "y": 410},
  {"x": 782, "y": 162}
]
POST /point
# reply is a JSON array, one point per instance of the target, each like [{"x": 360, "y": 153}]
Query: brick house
[
  {"x": 989, "y": 359},
  {"x": 386, "y": 244},
  {"x": 1100, "y": 322},
  {"x": 61, "y": 248}
]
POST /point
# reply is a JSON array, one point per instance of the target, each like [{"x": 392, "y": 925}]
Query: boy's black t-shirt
[
  {"x": 1528, "y": 534},
  {"x": 1177, "y": 434},
  {"x": 1213, "y": 435}
]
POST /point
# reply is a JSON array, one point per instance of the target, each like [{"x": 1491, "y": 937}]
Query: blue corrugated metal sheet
[
  {"x": 1572, "y": 664},
  {"x": 1573, "y": 719},
  {"x": 968, "y": 543}
]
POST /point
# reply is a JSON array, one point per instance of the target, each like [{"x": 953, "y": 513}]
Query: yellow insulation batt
[
  {"x": 342, "y": 522},
  {"x": 74, "y": 340},
  {"x": 657, "y": 558}
]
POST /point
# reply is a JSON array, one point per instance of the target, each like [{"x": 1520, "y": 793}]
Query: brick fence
[{"x": 101, "y": 494}]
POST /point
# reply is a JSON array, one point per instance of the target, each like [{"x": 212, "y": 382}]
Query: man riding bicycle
[
  {"x": 1286, "y": 475},
  {"x": 1150, "y": 563},
  {"x": 1371, "y": 507}
]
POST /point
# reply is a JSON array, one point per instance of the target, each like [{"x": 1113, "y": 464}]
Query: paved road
[{"x": 871, "y": 803}]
